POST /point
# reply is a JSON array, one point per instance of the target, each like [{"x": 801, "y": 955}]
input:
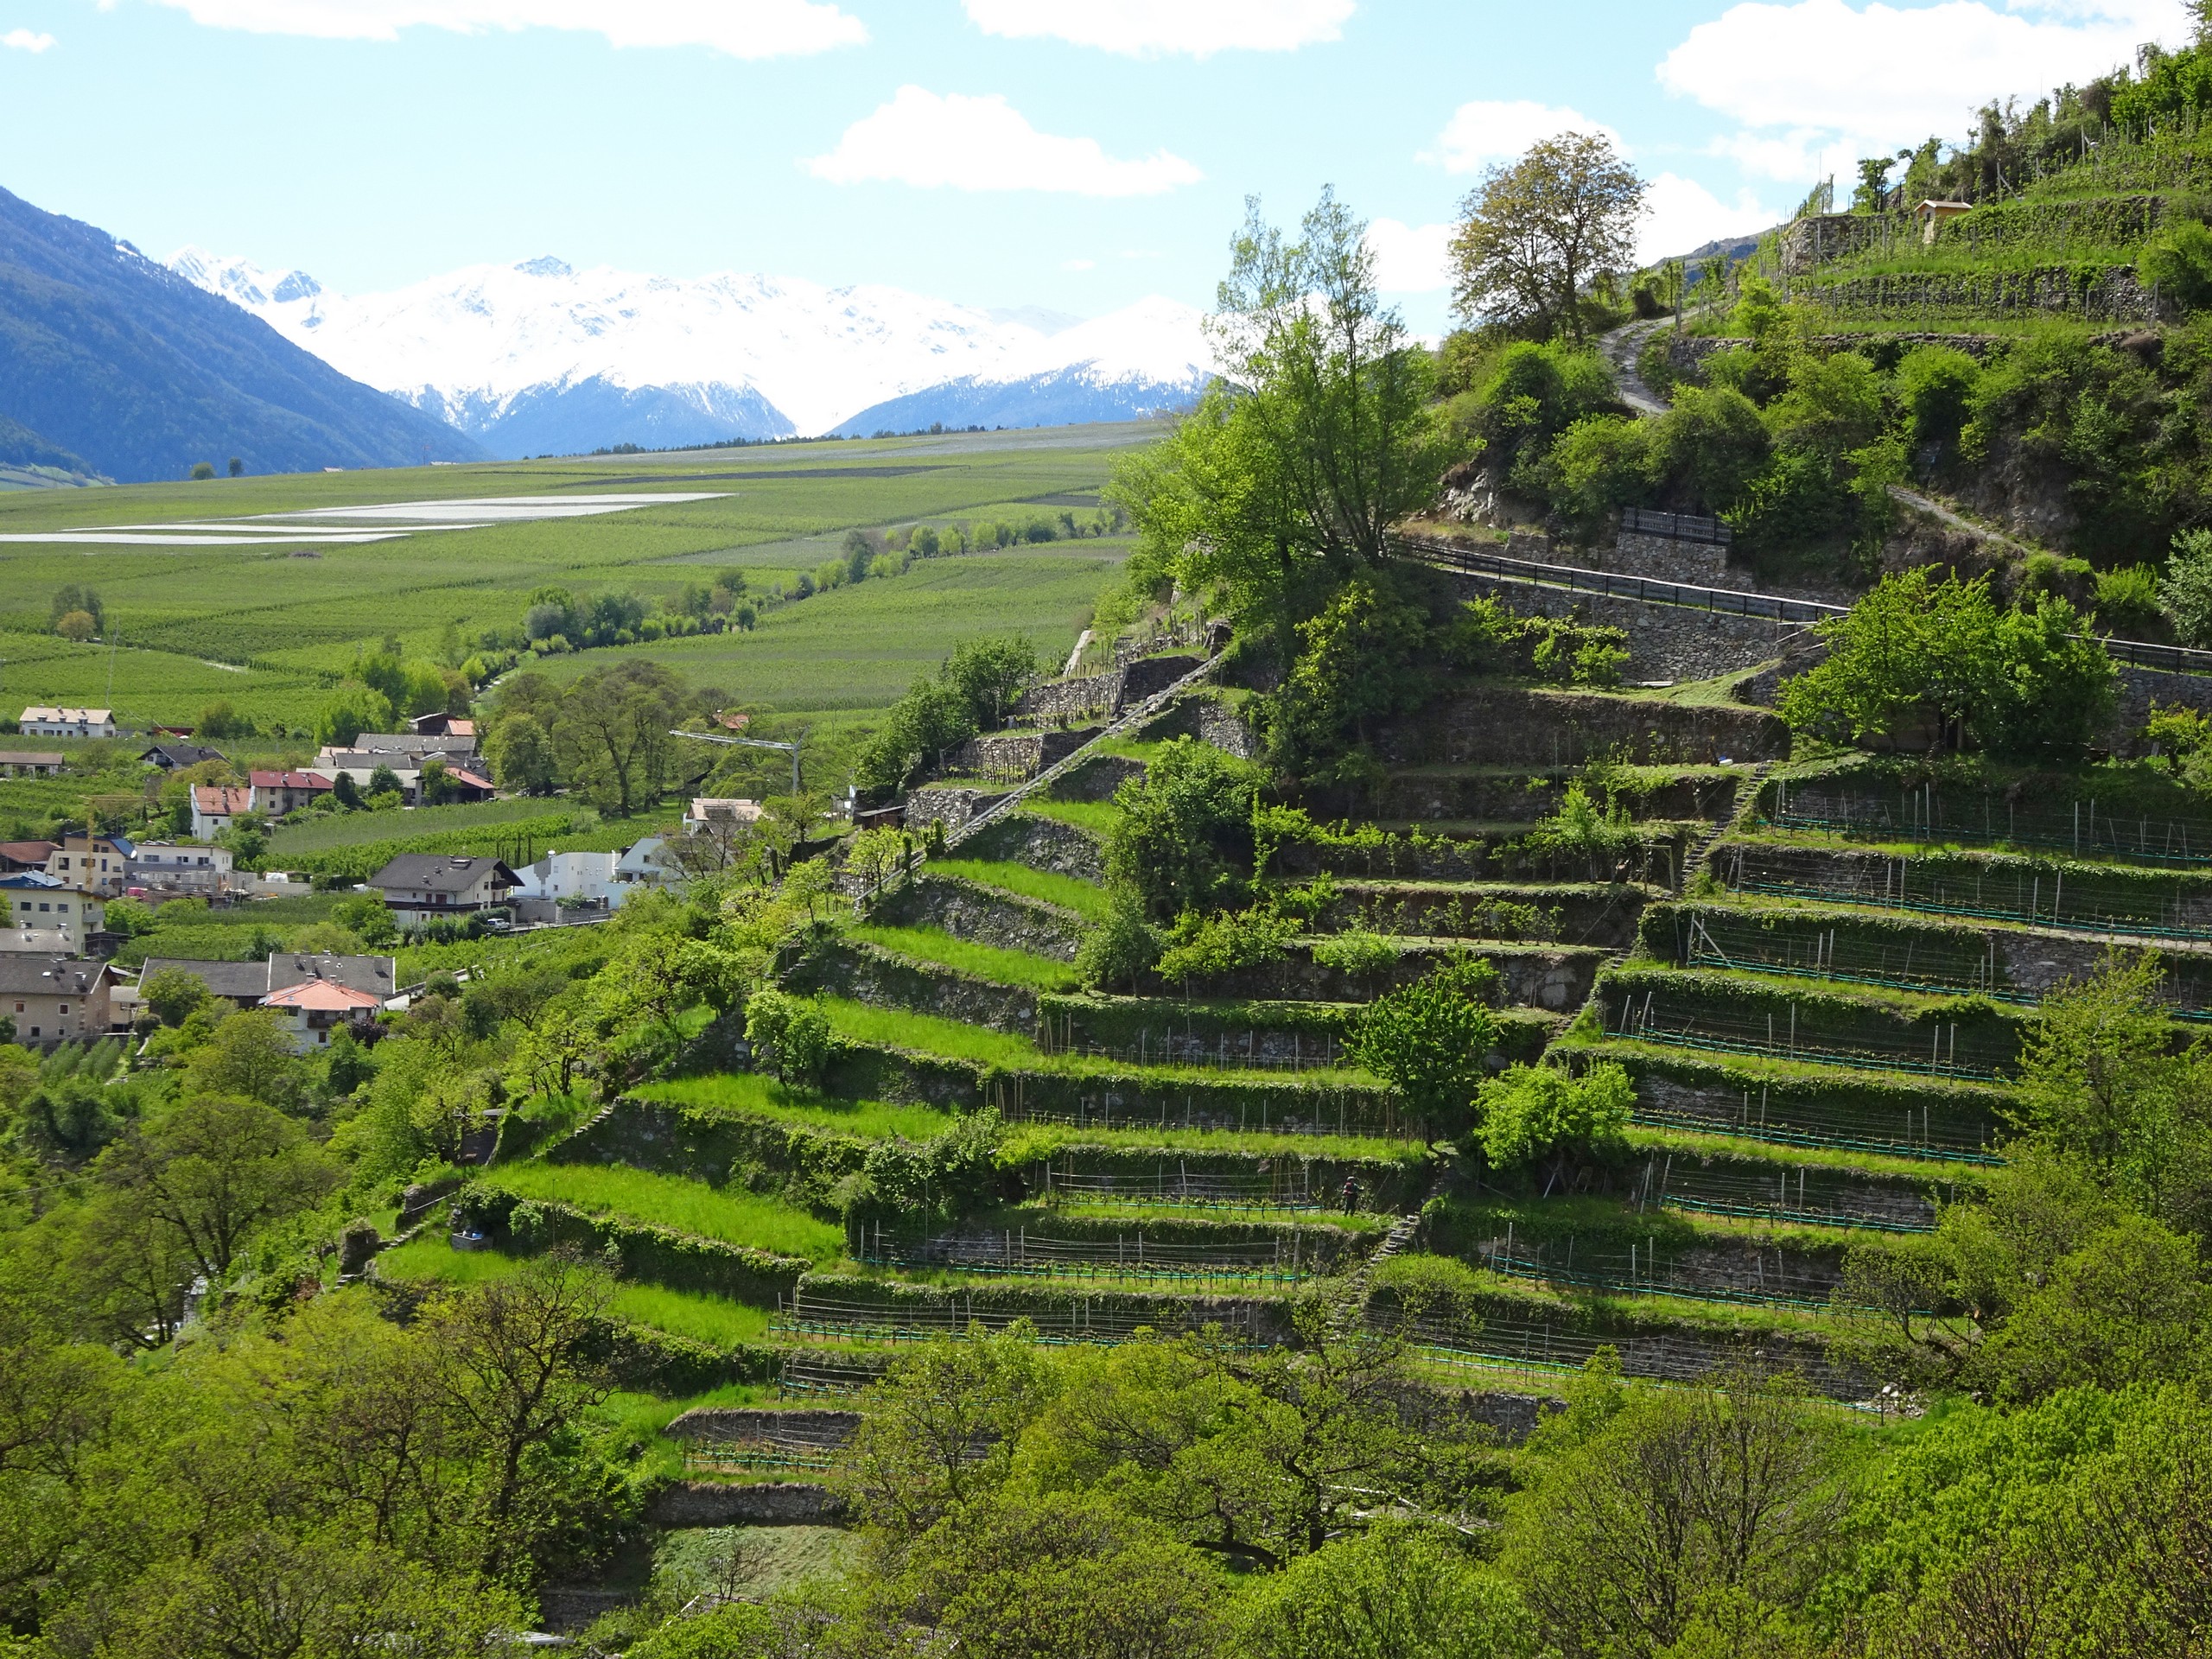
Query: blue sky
[{"x": 1077, "y": 154}]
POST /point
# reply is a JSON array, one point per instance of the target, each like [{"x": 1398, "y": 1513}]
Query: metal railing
[
  {"x": 1719, "y": 601},
  {"x": 1676, "y": 526},
  {"x": 1723, "y": 602}
]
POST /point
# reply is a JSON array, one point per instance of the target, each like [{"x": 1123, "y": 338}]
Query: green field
[
  {"x": 687, "y": 1206},
  {"x": 267, "y": 631},
  {"x": 683, "y": 1313},
  {"x": 986, "y": 962},
  {"x": 751, "y": 1092}
]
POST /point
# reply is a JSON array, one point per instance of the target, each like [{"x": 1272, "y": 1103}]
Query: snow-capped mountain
[{"x": 538, "y": 357}]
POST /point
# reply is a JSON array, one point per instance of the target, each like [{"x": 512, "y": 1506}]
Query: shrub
[
  {"x": 1428, "y": 1041},
  {"x": 1599, "y": 466},
  {"x": 1709, "y": 445},
  {"x": 1202, "y": 946},
  {"x": 791, "y": 1034},
  {"x": 2186, "y": 592},
  {"x": 1119, "y": 951},
  {"x": 1534, "y": 394},
  {"x": 1532, "y": 1114},
  {"x": 1935, "y": 385},
  {"x": 2179, "y": 265},
  {"x": 1580, "y": 827},
  {"x": 2127, "y": 601}
]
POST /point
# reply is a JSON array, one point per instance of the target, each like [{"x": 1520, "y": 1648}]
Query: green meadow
[{"x": 267, "y": 629}]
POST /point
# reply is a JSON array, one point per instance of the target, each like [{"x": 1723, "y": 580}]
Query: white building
[
  {"x": 578, "y": 877},
  {"x": 215, "y": 807},
  {"x": 647, "y": 862},
  {"x": 45, "y": 915},
  {"x": 39, "y": 720},
  {"x": 721, "y": 814},
  {"x": 162, "y": 866}
]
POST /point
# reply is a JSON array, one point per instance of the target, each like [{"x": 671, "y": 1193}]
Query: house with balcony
[
  {"x": 421, "y": 887},
  {"x": 97, "y": 863},
  {"x": 162, "y": 869},
  {"x": 273, "y": 794},
  {"x": 45, "y": 915}
]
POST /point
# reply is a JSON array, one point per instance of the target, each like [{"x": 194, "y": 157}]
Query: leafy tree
[
  {"x": 1183, "y": 839},
  {"x": 791, "y": 1034},
  {"x": 214, "y": 1171},
  {"x": 250, "y": 1054},
  {"x": 2179, "y": 265},
  {"x": 2186, "y": 592},
  {"x": 1398, "y": 1590},
  {"x": 72, "y": 597},
  {"x": 76, "y": 626},
  {"x": 1935, "y": 385},
  {"x": 1533, "y": 235},
  {"x": 202, "y": 470},
  {"x": 175, "y": 993},
  {"x": 1325, "y": 443},
  {"x": 1543, "y": 1114},
  {"x": 1657, "y": 1512},
  {"x": 349, "y": 711},
  {"x": 613, "y": 734},
  {"x": 520, "y": 750},
  {"x": 991, "y": 674},
  {"x": 1358, "y": 662},
  {"x": 1119, "y": 951},
  {"x": 1428, "y": 1041},
  {"x": 514, "y": 1361}
]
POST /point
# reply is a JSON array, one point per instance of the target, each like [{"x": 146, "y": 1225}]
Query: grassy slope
[
  {"x": 983, "y": 961},
  {"x": 688, "y": 1206},
  {"x": 683, "y": 1313},
  {"x": 1086, "y": 899}
]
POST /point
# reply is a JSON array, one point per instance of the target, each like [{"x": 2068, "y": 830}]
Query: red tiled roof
[
  {"x": 288, "y": 781},
  {"x": 321, "y": 996},
  {"x": 221, "y": 799},
  {"x": 470, "y": 779}
]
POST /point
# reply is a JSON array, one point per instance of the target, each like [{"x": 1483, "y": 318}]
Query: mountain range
[
  {"x": 539, "y": 358},
  {"x": 110, "y": 364}
]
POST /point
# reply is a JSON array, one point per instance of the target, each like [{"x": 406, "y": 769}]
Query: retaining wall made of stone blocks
[
  {"x": 866, "y": 973},
  {"x": 686, "y": 1503},
  {"x": 1665, "y": 642},
  {"x": 1515, "y": 795},
  {"x": 1534, "y": 976},
  {"x": 1041, "y": 843},
  {"x": 949, "y": 805},
  {"x": 1505, "y": 725},
  {"x": 1095, "y": 779},
  {"x": 984, "y": 915}
]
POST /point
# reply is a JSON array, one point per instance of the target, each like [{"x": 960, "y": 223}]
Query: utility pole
[{"x": 790, "y": 748}]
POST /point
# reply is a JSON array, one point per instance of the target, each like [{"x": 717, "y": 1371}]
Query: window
[
  {"x": 19, "y": 1007},
  {"x": 65, "y": 1007},
  {"x": 46, "y": 907},
  {"x": 35, "y": 1030}
]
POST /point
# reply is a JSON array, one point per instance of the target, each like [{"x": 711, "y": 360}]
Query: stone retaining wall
[
  {"x": 752, "y": 1423},
  {"x": 948, "y": 805},
  {"x": 1501, "y": 725},
  {"x": 733, "y": 1504},
  {"x": 1106, "y": 694},
  {"x": 984, "y": 915},
  {"x": 1095, "y": 779},
  {"x": 866, "y": 973},
  {"x": 1042, "y": 845},
  {"x": 1665, "y": 642}
]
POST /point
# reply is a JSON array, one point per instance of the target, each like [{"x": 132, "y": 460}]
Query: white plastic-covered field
[{"x": 340, "y": 526}]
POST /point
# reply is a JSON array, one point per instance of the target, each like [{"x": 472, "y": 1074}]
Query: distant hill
[
  {"x": 539, "y": 358},
  {"x": 1058, "y": 397},
  {"x": 107, "y": 354},
  {"x": 20, "y": 447}
]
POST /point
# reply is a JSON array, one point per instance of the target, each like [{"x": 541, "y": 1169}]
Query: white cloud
[
  {"x": 743, "y": 28},
  {"x": 1683, "y": 214},
  {"x": 985, "y": 143},
  {"x": 1480, "y": 133},
  {"x": 21, "y": 39},
  {"x": 1410, "y": 259},
  {"x": 1156, "y": 28},
  {"x": 1826, "y": 75}
]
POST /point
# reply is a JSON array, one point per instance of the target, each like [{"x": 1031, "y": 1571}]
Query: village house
[
  {"x": 41, "y": 721},
  {"x": 32, "y": 762},
  {"x": 175, "y": 756},
  {"x": 54, "y": 999},
  {"x": 719, "y": 815},
  {"x": 97, "y": 863},
  {"x": 574, "y": 887},
  {"x": 25, "y": 855},
  {"x": 645, "y": 862},
  {"x": 421, "y": 887},
  {"x": 313, "y": 995},
  {"x": 215, "y": 807},
  {"x": 275, "y": 794},
  {"x": 162, "y": 869},
  {"x": 45, "y": 914},
  {"x": 443, "y": 725},
  {"x": 362, "y": 764}
]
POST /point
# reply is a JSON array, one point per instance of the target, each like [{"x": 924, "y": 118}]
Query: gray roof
[
  {"x": 378, "y": 976},
  {"x": 414, "y": 743},
  {"x": 437, "y": 873},
  {"x": 239, "y": 981},
  {"x": 174, "y": 756},
  {"x": 48, "y": 975},
  {"x": 251, "y": 981}
]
